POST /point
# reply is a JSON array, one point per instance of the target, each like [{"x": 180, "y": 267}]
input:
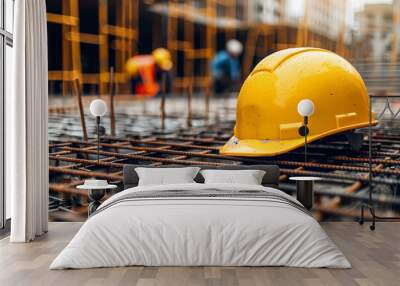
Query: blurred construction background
[
  {"x": 90, "y": 42},
  {"x": 88, "y": 37}
]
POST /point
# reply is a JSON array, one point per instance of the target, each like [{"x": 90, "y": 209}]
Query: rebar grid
[{"x": 342, "y": 168}]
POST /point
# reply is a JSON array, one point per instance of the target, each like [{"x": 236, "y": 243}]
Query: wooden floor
[{"x": 375, "y": 257}]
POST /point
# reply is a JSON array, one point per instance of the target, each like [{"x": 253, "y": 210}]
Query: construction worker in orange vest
[{"x": 147, "y": 72}]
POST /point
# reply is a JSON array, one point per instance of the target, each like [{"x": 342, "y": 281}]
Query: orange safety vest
[{"x": 147, "y": 72}]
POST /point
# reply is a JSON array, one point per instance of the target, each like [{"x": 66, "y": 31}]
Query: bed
[{"x": 197, "y": 224}]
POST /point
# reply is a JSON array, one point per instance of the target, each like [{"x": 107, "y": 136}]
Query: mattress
[{"x": 201, "y": 225}]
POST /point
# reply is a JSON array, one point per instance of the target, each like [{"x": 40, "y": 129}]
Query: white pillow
[
  {"x": 166, "y": 176},
  {"x": 248, "y": 177}
]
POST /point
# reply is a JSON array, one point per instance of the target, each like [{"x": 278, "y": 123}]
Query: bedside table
[
  {"x": 96, "y": 191},
  {"x": 305, "y": 192}
]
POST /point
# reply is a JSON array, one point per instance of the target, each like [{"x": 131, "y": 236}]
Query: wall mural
[{"x": 181, "y": 104}]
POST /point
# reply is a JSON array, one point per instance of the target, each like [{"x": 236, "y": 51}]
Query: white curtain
[{"x": 26, "y": 124}]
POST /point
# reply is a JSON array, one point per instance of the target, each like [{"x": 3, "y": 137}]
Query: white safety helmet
[{"x": 234, "y": 47}]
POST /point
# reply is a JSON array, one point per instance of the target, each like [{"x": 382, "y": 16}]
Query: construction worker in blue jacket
[{"x": 225, "y": 67}]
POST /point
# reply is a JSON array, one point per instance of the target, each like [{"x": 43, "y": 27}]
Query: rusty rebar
[
  {"x": 163, "y": 99},
  {"x": 145, "y": 158},
  {"x": 256, "y": 161},
  {"x": 112, "y": 95},
  {"x": 189, "y": 104},
  {"x": 78, "y": 92},
  {"x": 90, "y": 174},
  {"x": 207, "y": 104}
]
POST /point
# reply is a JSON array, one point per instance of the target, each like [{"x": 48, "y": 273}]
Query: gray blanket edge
[{"x": 208, "y": 194}]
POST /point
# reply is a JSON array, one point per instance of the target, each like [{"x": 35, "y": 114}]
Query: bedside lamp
[
  {"x": 98, "y": 108},
  {"x": 305, "y": 108}
]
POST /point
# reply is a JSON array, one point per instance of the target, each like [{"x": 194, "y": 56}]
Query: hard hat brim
[
  {"x": 267, "y": 148},
  {"x": 260, "y": 148}
]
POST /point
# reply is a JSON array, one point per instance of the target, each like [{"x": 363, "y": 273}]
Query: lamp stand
[
  {"x": 369, "y": 205},
  {"x": 305, "y": 137},
  {"x": 303, "y": 131},
  {"x": 98, "y": 138}
]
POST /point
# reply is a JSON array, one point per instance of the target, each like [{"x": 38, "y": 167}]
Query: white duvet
[{"x": 200, "y": 231}]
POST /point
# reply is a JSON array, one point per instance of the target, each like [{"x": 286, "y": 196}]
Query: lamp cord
[
  {"x": 98, "y": 138},
  {"x": 370, "y": 150}
]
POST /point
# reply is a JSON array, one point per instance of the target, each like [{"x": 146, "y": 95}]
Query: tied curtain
[{"x": 26, "y": 124}]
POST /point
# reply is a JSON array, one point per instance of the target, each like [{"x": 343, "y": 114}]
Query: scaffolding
[
  {"x": 117, "y": 39},
  {"x": 193, "y": 28}
]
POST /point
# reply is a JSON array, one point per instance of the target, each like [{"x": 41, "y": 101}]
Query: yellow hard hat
[
  {"x": 267, "y": 118},
  {"x": 131, "y": 66},
  {"x": 163, "y": 58}
]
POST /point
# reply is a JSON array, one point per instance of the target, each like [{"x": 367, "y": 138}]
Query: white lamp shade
[
  {"x": 305, "y": 107},
  {"x": 98, "y": 107}
]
